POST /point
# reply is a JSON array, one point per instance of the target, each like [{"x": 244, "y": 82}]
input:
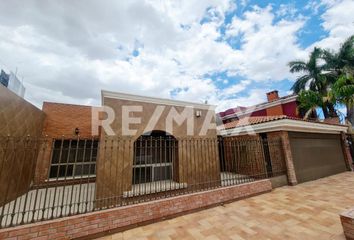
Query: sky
[{"x": 228, "y": 53}]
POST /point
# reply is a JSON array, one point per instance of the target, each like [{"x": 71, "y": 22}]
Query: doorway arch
[{"x": 155, "y": 158}]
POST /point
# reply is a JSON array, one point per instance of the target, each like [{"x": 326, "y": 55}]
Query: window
[
  {"x": 154, "y": 156},
  {"x": 73, "y": 158}
]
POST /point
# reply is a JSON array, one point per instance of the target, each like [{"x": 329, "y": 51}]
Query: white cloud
[
  {"x": 287, "y": 11},
  {"x": 313, "y": 5},
  {"x": 71, "y": 51},
  {"x": 68, "y": 51},
  {"x": 338, "y": 21},
  {"x": 253, "y": 97},
  {"x": 266, "y": 47},
  {"x": 236, "y": 88}
]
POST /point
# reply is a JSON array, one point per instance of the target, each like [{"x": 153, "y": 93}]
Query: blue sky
[
  {"x": 307, "y": 36},
  {"x": 229, "y": 53}
]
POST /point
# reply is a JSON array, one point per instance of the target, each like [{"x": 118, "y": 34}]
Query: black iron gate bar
[{"x": 167, "y": 167}]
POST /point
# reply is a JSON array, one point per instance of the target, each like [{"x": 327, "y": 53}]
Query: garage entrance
[{"x": 316, "y": 155}]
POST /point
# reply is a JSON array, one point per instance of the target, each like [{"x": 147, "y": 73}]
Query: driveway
[{"x": 306, "y": 211}]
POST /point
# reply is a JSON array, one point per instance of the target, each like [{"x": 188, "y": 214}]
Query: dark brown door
[{"x": 316, "y": 155}]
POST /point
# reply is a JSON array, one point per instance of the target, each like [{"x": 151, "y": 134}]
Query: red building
[{"x": 275, "y": 106}]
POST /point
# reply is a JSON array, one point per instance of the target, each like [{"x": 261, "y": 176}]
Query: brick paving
[{"x": 306, "y": 211}]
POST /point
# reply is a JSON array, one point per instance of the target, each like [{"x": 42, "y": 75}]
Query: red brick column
[
  {"x": 346, "y": 153},
  {"x": 288, "y": 159}
]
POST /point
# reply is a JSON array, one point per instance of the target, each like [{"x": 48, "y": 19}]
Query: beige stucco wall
[
  {"x": 20, "y": 129},
  {"x": 147, "y": 112},
  {"x": 198, "y": 160},
  {"x": 18, "y": 118}
]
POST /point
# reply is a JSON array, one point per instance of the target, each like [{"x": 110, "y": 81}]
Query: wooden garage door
[{"x": 316, "y": 155}]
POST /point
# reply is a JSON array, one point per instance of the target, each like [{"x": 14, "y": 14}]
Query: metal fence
[
  {"x": 84, "y": 175},
  {"x": 256, "y": 158}
]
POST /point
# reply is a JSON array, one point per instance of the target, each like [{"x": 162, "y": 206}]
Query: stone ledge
[{"x": 347, "y": 219}]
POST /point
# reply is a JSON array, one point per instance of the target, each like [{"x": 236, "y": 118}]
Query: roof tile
[{"x": 246, "y": 121}]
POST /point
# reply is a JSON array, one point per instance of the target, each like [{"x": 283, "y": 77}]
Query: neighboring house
[
  {"x": 12, "y": 83},
  {"x": 275, "y": 106},
  {"x": 314, "y": 149}
]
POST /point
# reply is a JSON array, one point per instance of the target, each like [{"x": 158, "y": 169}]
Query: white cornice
[
  {"x": 261, "y": 107},
  {"x": 285, "y": 125},
  {"x": 160, "y": 101}
]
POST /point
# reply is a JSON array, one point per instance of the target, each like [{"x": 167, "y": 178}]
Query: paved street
[{"x": 306, "y": 211}]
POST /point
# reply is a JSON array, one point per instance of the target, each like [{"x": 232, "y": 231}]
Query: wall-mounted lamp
[
  {"x": 198, "y": 113},
  {"x": 77, "y": 131}
]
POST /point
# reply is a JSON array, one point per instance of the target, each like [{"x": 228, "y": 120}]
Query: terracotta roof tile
[
  {"x": 251, "y": 121},
  {"x": 246, "y": 121}
]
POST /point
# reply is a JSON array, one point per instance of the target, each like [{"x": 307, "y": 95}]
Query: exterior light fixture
[
  {"x": 198, "y": 113},
  {"x": 77, "y": 131}
]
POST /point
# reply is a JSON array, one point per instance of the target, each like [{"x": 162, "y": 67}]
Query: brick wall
[
  {"x": 60, "y": 123},
  {"x": 289, "y": 162},
  {"x": 276, "y": 152},
  {"x": 346, "y": 152},
  {"x": 130, "y": 216},
  {"x": 275, "y": 110},
  {"x": 62, "y": 119},
  {"x": 273, "y": 95}
]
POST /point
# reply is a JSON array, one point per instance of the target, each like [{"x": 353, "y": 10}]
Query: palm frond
[
  {"x": 343, "y": 90},
  {"x": 309, "y": 101},
  {"x": 301, "y": 83},
  {"x": 331, "y": 60},
  {"x": 346, "y": 52},
  {"x": 297, "y": 66},
  {"x": 315, "y": 55}
]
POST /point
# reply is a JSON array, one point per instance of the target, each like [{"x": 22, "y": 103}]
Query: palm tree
[
  {"x": 340, "y": 67},
  {"x": 313, "y": 79},
  {"x": 309, "y": 101},
  {"x": 341, "y": 62},
  {"x": 343, "y": 93}
]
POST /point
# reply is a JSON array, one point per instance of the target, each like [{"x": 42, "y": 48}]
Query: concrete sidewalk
[{"x": 306, "y": 211}]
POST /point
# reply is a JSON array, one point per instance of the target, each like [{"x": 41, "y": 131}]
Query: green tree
[
  {"x": 341, "y": 62},
  {"x": 309, "y": 101},
  {"x": 339, "y": 67},
  {"x": 314, "y": 79},
  {"x": 343, "y": 93}
]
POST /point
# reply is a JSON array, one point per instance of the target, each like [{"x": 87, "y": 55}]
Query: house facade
[
  {"x": 135, "y": 149},
  {"x": 274, "y": 106},
  {"x": 312, "y": 149},
  {"x": 157, "y": 146}
]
